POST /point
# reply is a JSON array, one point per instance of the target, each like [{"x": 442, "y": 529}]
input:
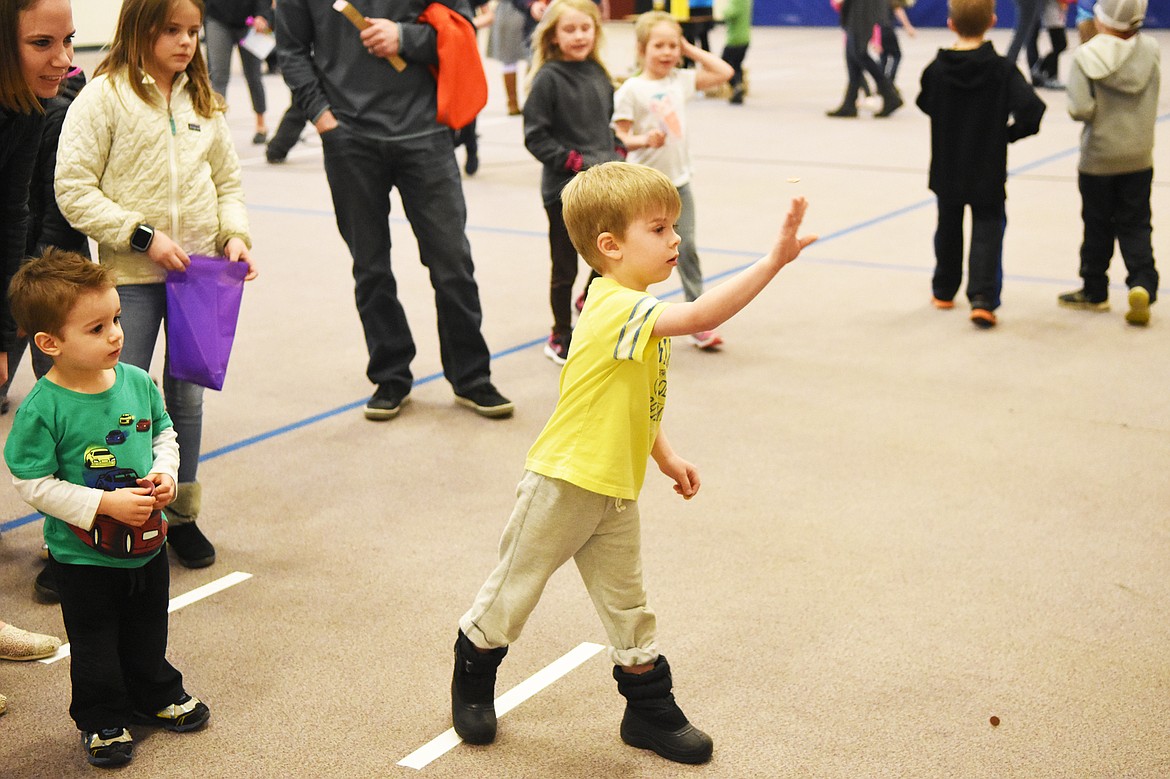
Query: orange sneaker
[
  {"x": 982, "y": 318},
  {"x": 942, "y": 304}
]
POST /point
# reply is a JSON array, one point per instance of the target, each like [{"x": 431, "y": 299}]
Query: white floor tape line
[
  {"x": 178, "y": 602},
  {"x": 424, "y": 755}
]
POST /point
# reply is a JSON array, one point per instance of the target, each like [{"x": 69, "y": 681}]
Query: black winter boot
[
  {"x": 473, "y": 691},
  {"x": 654, "y": 721},
  {"x": 891, "y": 99}
]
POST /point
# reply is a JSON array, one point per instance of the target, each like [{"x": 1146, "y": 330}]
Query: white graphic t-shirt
[{"x": 659, "y": 104}]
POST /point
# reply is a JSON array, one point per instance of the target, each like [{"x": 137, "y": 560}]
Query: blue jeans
[{"x": 144, "y": 309}]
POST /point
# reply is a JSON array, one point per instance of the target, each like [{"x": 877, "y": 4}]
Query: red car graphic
[{"x": 123, "y": 541}]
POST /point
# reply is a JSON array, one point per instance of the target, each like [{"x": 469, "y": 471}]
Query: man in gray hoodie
[{"x": 1113, "y": 89}]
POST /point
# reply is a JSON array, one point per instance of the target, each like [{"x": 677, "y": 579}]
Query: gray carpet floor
[{"x": 906, "y": 527}]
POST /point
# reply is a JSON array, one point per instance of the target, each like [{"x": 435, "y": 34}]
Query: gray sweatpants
[{"x": 553, "y": 521}]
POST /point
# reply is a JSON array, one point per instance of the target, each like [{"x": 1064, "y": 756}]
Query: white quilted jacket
[{"x": 122, "y": 162}]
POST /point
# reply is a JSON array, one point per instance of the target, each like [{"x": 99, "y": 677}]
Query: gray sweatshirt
[
  {"x": 326, "y": 66},
  {"x": 1113, "y": 88}
]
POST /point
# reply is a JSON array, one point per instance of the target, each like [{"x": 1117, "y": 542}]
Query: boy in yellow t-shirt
[{"x": 578, "y": 496}]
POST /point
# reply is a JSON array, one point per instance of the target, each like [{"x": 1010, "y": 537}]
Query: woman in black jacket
[
  {"x": 36, "y": 52},
  {"x": 46, "y": 226}
]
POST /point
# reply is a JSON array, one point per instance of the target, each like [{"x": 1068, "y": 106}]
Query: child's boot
[
  {"x": 891, "y": 99},
  {"x": 654, "y": 721},
  {"x": 513, "y": 97},
  {"x": 473, "y": 691},
  {"x": 848, "y": 107},
  {"x": 183, "y": 535}
]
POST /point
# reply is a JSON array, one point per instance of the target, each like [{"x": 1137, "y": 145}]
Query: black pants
[
  {"x": 1117, "y": 208},
  {"x": 564, "y": 269},
  {"x": 361, "y": 172},
  {"x": 985, "y": 260},
  {"x": 1027, "y": 20},
  {"x": 288, "y": 132},
  {"x": 857, "y": 63},
  {"x": 733, "y": 56},
  {"x": 116, "y": 621},
  {"x": 1047, "y": 65},
  {"x": 891, "y": 52}
]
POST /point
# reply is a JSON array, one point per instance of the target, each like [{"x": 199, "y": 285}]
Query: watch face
[{"x": 141, "y": 239}]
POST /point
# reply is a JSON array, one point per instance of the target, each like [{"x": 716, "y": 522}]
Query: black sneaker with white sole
[
  {"x": 386, "y": 402},
  {"x": 485, "y": 400}
]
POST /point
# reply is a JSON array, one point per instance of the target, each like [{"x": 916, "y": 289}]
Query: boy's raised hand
[
  {"x": 789, "y": 245},
  {"x": 129, "y": 505}
]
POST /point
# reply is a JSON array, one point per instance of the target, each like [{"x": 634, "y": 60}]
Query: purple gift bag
[{"x": 203, "y": 304}]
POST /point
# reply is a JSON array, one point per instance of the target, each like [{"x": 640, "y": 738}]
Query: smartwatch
[{"x": 143, "y": 235}]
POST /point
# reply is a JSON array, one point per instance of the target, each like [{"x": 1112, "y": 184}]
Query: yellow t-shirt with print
[{"x": 612, "y": 394}]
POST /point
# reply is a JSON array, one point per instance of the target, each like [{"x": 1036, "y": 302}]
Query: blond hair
[
  {"x": 608, "y": 198},
  {"x": 644, "y": 24},
  {"x": 46, "y": 289},
  {"x": 971, "y": 18},
  {"x": 545, "y": 49},
  {"x": 140, "y": 22}
]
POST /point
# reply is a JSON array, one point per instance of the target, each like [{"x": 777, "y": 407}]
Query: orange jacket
[{"x": 462, "y": 86}]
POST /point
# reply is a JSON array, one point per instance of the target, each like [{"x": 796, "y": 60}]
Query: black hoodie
[{"x": 978, "y": 103}]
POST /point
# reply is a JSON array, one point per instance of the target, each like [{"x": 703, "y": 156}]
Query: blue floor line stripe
[{"x": 12, "y": 524}]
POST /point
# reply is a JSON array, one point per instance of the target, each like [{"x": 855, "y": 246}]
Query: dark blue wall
[{"x": 925, "y": 13}]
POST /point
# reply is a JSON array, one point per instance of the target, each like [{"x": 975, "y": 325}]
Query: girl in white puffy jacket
[{"x": 147, "y": 169}]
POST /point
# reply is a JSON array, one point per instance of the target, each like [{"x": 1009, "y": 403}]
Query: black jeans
[
  {"x": 1117, "y": 208},
  {"x": 985, "y": 261},
  {"x": 857, "y": 63},
  {"x": 1027, "y": 20},
  {"x": 116, "y": 621},
  {"x": 564, "y": 269},
  {"x": 288, "y": 132},
  {"x": 361, "y": 172},
  {"x": 733, "y": 56}
]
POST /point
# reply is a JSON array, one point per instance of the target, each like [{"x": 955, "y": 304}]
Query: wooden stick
[{"x": 357, "y": 20}]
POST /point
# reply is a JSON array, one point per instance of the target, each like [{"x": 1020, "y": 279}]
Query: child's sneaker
[
  {"x": 1139, "y": 307},
  {"x": 983, "y": 318},
  {"x": 557, "y": 348},
  {"x": 186, "y": 714},
  {"x": 112, "y": 746},
  {"x": 1082, "y": 301},
  {"x": 707, "y": 339},
  {"x": 942, "y": 305}
]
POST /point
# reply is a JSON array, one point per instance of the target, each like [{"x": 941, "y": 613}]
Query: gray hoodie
[{"x": 1113, "y": 89}]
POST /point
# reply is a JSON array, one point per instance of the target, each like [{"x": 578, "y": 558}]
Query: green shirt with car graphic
[{"x": 104, "y": 441}]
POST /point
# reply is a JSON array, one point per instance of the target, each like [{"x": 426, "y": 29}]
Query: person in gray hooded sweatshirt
[{"x": 1113, "y": 89}]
